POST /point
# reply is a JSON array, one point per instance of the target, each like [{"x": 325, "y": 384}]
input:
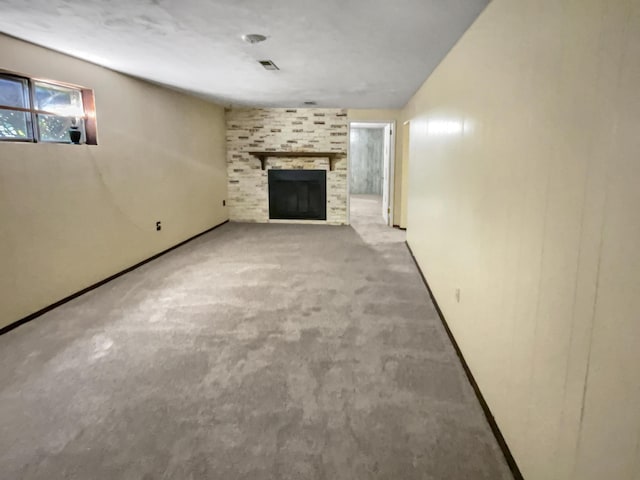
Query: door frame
[{"x": 391, "y": 160}]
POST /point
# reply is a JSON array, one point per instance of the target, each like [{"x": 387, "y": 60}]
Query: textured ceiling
[{"x": 339, "y": 53}]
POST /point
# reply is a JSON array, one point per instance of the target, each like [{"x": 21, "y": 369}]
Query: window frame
[
  {"x": 27, "y": 100},
  {"x": 88, "y": 107}
]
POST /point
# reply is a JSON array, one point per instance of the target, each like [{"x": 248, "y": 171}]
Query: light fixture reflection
[
  {"x": 449, "y": 127},
  {"x": 444, "y": 127}
]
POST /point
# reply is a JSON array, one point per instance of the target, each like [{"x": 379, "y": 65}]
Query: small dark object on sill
[{"x": 75, "y": 135}]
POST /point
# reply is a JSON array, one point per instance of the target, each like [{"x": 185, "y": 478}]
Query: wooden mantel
[{"x": 262, "y": 156}]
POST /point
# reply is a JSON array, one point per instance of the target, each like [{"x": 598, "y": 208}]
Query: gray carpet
[{"x": 254, "y": 352}]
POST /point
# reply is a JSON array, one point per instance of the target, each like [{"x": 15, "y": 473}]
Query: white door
[{"x": 385, "y": 173}]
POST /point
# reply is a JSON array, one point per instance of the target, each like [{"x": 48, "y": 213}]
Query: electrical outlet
[
  {"x": 458, "y": 295},
  {"x": 158, "y": 225}
]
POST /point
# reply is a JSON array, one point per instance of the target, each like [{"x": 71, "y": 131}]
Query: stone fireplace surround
[{"x": 284, "y": 130}]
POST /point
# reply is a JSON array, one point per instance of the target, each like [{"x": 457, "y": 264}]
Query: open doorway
[{"x": 371, "y": 161}]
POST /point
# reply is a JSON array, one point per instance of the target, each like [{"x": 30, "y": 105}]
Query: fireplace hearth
[{"x": 297, "y": 194}]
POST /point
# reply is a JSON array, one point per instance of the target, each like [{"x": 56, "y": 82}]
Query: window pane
[
  {"x": 56, "y": 129},
  {"x": 59, "y": 100},
  {"x": 14, "y": 92},
  {"x": 15, "y": 125}
]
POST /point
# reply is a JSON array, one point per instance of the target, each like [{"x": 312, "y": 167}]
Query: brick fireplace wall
[{"x": 284, "y": 129}]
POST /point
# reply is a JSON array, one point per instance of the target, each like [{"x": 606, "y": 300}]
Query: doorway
[{"x": 371, "y": 162}]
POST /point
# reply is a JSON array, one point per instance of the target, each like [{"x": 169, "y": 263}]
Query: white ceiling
[{"x": 339, "y": 53}]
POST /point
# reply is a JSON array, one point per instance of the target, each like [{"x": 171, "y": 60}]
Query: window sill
[{"x": 31, "y": 142}]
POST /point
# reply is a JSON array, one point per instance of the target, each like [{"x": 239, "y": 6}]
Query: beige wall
[
  {"x": 377, "y": 115},
  {"x": 524, "y": 194},
  {"x": 73, "y": 215}
]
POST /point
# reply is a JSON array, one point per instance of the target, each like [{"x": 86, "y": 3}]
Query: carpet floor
[{"x": 257, "y": 351}]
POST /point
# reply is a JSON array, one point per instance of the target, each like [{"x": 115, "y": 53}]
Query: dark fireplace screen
[{"x": 298, "y": 194}]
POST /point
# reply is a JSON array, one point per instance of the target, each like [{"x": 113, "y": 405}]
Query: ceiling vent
[
  {"x": 253, "y": 38},
  {"x": 268, "y": 65}
]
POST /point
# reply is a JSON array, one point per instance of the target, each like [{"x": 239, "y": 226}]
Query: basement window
[{"x": 43, "y": 111}]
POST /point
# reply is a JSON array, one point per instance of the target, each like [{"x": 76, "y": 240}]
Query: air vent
[
  {"x": 253, "y": 38},
  {"x": 268, "y": 65},
  {"x": 310, "y": 103}
]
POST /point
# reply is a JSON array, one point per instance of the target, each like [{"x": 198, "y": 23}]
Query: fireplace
[{"x": 298, "y": 194}]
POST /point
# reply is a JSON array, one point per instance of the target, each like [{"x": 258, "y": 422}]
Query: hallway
[
  {"x": 366, "y": 211},
  {"x": 273, "y": 351}
]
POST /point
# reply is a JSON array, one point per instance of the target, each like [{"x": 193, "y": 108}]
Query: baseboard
[
  {"x": 513, "y": 466},
  {"x": 46, "y": 309},
  {"x": 399, "y": 227}
]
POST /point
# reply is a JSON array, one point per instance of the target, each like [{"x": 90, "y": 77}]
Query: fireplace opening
[{"x": 297, "y": 194}]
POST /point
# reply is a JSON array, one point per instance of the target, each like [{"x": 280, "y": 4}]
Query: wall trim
[
  {"x": 48, "y": 308},
  {"x": 513, "y": 466}
]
